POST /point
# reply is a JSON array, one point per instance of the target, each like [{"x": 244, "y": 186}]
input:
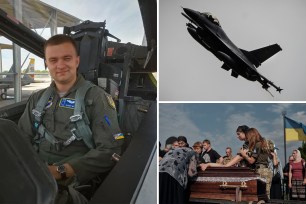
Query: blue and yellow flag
[{"x": 294, "y": 131}]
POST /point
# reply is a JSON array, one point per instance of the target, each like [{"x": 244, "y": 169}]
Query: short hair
[
  {"x": 60, "y": 39},
  {"x": 206, "y": 141},
  {"x": 182, "y": 138},
  {"x": 198, "y": 144},
  {"x": 228, "y": 148},
  {"x": 171, "y": 140}
]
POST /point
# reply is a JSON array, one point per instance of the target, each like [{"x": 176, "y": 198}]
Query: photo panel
[
  {"x": 232, "y": 50},
  {"x": 202, "y": 134}
]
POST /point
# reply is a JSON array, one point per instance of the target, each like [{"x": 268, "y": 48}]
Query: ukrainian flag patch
[
  {"x": 118, "y": 136},
  {"x": 67, "y": 103}
]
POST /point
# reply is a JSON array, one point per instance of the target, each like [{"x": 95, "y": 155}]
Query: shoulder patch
[
  {"x": 110, "y": 101},
  {"x": 118, "y": 136},
  {"x": 67, "y": 103},
  {"x": 49, "y": 103}
]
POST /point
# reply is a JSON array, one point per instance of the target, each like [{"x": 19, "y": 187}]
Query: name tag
[{"x": 67, "y": 103}]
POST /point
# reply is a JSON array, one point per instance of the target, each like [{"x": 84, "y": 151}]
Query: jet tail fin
[
  {"x": 29, "y": 72},
  {"x": 262, "y": 54}
]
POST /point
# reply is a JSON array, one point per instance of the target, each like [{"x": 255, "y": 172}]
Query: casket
[{"x": 228, "y": 183}]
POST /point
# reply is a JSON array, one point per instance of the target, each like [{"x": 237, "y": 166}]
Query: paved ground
[{"x": 26, "y": 91}]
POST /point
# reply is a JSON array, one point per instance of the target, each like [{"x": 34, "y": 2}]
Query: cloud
[
  {"x": 280, "y": 107},
  {"x": 174, "y": 121}
]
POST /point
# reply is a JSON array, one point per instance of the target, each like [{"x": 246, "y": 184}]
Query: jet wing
[{"x": 262, "y": 54}]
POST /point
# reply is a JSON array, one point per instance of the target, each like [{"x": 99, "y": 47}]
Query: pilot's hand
[
  {"x": 53, "y": 170},
  {"x": 54, "y": 173}
]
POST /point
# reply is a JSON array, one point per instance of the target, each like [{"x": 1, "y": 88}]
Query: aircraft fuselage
[
  {"x": 222, "y": 47},
  {"x": 206, "y": 30}
]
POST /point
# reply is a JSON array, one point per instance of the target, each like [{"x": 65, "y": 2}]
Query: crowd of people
[{"x": 179, "y": 162}]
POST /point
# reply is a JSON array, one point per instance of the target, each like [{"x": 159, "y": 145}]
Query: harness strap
[
  {"x": 38, "y": 111},
  {"x": 79, "y": 117}
]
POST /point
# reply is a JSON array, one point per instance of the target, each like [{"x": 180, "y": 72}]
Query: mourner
[
  {"x": 171, "y": 142},
  {"x": 174, "y": 171},
  {"x": 286, "y": 178},
  {"x": 182, "y": 141},
  {"x": 209, "y": 154},
  {"x": 197, "y": 147},
  {"x": 297, "y": 179},
  {"x": 276, "y": 167},
  {"x": 256, "y": 153},
  {"x": 228, "y": 157}
]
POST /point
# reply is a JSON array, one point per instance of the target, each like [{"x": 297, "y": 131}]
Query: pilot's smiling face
[{"x": 62, "y": 62}]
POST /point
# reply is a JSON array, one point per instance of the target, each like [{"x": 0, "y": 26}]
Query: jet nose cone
[{"x": 191, "y": 13}]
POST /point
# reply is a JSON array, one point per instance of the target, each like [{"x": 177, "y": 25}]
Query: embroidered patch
[
  {"x": 110, "y": 101},
  {"x": 118, "y": 136},
  {"x": 107, "y": 120},
  {"x": 67, "y": 103},
  {"x": 49, "y": 103}
]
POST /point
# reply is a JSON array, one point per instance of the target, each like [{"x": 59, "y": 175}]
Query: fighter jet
[{"x": 206, "y": 30}]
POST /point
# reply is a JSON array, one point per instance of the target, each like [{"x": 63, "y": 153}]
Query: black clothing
[
  {"x": 286, "y": 178},
  {"x": 162, "y": 153},
  {"x": 170, "y": 190},
  {"x": 276, "y": 187},
  {"x": 210, "y": 156}
]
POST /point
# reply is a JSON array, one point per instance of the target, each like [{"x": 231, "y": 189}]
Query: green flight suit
[{"x": 87, "y": 163}]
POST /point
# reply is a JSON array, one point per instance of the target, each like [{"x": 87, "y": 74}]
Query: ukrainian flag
[{"x": 294, "y": 131}]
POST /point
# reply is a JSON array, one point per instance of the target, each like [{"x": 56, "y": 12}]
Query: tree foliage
[{"x": 303, "y": 150}]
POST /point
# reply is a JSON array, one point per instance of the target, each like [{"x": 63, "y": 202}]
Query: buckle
[
  {"x": 58, "y": 146},
  {"x": 36, "y": 113},
  {"x": 75, "y": 118},
  {"x": 71, "y": 139}
]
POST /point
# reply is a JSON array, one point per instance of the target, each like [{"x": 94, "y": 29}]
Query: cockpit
[{"x": 212, "y": 18}]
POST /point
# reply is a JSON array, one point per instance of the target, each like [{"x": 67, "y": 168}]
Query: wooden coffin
[{"x": 228, "y": 183}]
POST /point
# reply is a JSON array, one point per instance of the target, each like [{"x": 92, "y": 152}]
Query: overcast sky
[
  {"x": 123, "y": 19},
  {"x": 189, "y": 72},
  {"x": 218, "y": 122}
]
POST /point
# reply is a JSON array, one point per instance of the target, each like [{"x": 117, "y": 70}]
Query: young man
[
  {"x": 210, "y": 155},
  {"x": 74, "y": 130}
]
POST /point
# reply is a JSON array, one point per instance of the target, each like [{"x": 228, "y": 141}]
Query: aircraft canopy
[{"x": 212, "y": 18}]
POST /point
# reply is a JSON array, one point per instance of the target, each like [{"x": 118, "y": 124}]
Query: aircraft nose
[{"x": 191, "y": 13}]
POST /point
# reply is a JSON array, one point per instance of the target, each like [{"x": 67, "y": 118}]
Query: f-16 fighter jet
[{"x": 206, "y": 30}]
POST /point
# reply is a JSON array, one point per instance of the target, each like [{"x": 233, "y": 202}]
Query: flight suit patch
[
  {"x": 107, "y": 120},
  {"x": 118, "y": 136},
  {"x": 110, "y": 101},
  {"x": 67, "y": 103},
  {"x": 49, "y": 103}
]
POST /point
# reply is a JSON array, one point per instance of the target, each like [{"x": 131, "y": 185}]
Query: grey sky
[
  {"x": 218, "y": 122},
  {"x": 189, "y": 72}
]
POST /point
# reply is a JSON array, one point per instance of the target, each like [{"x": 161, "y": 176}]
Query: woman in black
[{"x": 174, "y": 171}]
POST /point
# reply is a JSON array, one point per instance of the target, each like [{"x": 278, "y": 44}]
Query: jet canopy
[{"x": 212, "y": 18}]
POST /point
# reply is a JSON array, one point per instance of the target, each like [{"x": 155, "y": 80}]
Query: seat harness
[{"x": 80, "y": 129}]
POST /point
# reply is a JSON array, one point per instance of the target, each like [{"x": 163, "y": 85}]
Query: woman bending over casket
[
  {"x": 174, "y": 170},
  {"x": 256, "y": 154}
]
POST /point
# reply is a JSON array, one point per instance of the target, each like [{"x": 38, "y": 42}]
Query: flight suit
[{"x": 100, "y": 109}]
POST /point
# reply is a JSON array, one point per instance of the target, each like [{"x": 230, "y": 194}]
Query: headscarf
[{"x": 298, "y": 155}]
